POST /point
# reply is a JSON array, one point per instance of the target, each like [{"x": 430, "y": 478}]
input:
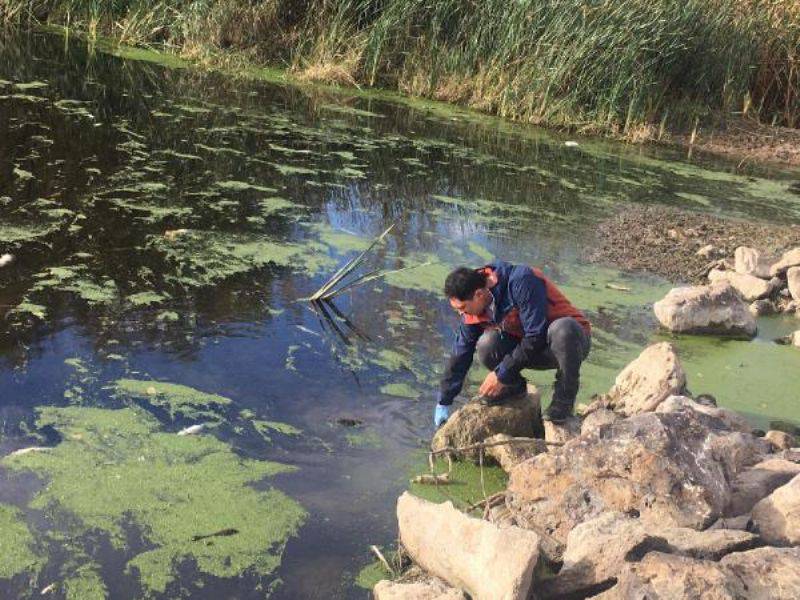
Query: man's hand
[
  {"x": 491, "y": 386},
  {"x": 440, "y": 415}
]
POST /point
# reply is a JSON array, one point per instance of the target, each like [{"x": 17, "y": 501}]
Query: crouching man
[{"x": 516, "y": 319}]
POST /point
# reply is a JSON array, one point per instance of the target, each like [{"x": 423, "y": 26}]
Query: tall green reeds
[{"x": 630, "y": 67}]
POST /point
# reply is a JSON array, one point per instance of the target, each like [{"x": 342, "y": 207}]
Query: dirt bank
[
  {"x": 746, "y": 142},
  {"x": 666, "y": 241}
]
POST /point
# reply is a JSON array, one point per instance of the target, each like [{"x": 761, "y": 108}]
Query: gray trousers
[{"x": 567, "y": 347}]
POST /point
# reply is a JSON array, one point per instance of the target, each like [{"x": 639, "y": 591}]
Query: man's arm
[
  {"x": 459, "y": 362},
  {"x": 529, "y": 294}
]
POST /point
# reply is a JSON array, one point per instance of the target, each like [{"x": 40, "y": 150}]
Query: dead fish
[
  {"x": 570, "y": 144},
  {"x": 48, "y": 589},
  {"x": 619, "y": 288},
  {"x": 191, "y": 430},
  {"x": 428, "y": 479},
  {"x": 220, "y": 533},
  {"x": 22, "y": 451},
  {"x": 6, "y": 259}
]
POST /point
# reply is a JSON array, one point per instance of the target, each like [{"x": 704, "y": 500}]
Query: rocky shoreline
[
  {"x": 679, "y": 244},
  {"x": 647, "y": 493}
]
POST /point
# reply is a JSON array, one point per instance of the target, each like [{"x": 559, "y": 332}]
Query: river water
[{"x": 167, "y": 225}]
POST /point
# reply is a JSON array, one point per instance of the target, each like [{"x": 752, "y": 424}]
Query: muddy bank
[
  {"x": 746, "y": 142},
  {"x": 668, "y": 241}
]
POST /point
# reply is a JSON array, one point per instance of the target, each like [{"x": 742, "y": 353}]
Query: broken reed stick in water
[
  {"x": 483, "y": 445},
  {"x": 349, "y": 267},
  {"x": 382, "y": 559},
  {"x": 433, "y": 478}
]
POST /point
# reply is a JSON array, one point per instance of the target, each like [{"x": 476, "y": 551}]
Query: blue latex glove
[{"x": 440, "y": 415}]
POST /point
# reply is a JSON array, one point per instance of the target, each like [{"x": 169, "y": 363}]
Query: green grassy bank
[{"x": 630, "y": 68}]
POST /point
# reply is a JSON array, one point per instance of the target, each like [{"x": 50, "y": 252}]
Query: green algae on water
[
  {"x": 115, "y": 469},
  {"x": 176, "y": 399},
  {"x": 17, "y": 546},
  {"x": 402, "y": 390}
]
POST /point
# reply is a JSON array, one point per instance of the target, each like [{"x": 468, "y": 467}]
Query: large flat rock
[
  {"x": 713, "y": 309},
  {"x": 486, "y": 561}
]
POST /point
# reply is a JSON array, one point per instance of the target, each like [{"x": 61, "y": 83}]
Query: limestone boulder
[
  {"x": 763, "y": 307},
  {"x": 795, "y": 339},
  {"x": 429, "y": 589},
  {"x": 789, "y": 259},
  {"x": 793, "y": 281},
  {"x": 715, "y": 309},
  {"x": 486, "y": 561},
  {"x": 511, "y": 451},
  {"x": 749, "y": 261},
  {"x": 757, "y": 482},
  {"x": 596, "y": 551},
  {"x": 777, "y": 517},
  {"x": 647, "y": 381},
  {"x": 661, "y": 576},
  {"x": 729, "y": 418},
  {"x": 768, "y": 573},
  {"x": 750, "y": 287},
  {"x": 711, "y": 544},
  {"x": 668, "y": 467},
  {"x": 473, "y": 423},
  {"x": 597, "y": 419},
  {"x": 780, "y": 440},
  {"x": 561, "y": 433}
]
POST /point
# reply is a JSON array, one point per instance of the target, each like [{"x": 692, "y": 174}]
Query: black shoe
[
  {"x": 509, "y": 392},
  {"x": 558, "y": 412}
]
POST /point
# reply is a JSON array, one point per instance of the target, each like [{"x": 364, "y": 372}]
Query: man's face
[{"x": 475, "y": 305}]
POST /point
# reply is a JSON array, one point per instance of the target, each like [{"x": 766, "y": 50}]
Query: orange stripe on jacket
[{"x": 557, "y": 307}]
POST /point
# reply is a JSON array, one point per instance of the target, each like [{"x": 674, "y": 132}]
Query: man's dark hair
[{"x": 463, "y": 282}]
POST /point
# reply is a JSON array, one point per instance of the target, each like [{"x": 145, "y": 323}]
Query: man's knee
[
  {"x": 566, "y": 334},
  {"x": 488, "y": 349}
]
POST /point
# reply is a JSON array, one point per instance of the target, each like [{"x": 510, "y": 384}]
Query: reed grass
[{"x": 631, "y": 68}]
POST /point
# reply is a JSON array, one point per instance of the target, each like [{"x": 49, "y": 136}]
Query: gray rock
[
  {"x": 765, "y": 306},
  {"x": 596, "y": 551},
  {"x": 473, "y": 422},
  {"x": 597, "y": 419},
  {"x": 730, "y": 418},
  {"x": 561, "y": 433},
  {"x": 750, "y": 287},
  {"x": 673, "y": 469},
  {"x": 780, "y": 440},
  {"x": 788, "y": 260},
  {"x": 759, "y": 574},
  {"x": 766, "y": 573},
  {"x": 486, "y": 561},
  {"x": 714, "y": 309},
  {"x": 749, "y": 261},
  {"x": 757, "y": 482},
  {"x": 517, "y": 450},
  {"x": 429, "y": 589},
  {"x": 662, "y": 576},
  {"x": 740, "y": 523},
  {"x": 646, "y": 381},
  {"x": 711, "y": 544},
  {"x": 793, "y": 281},
  {"x": 777, "y": 517}
]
